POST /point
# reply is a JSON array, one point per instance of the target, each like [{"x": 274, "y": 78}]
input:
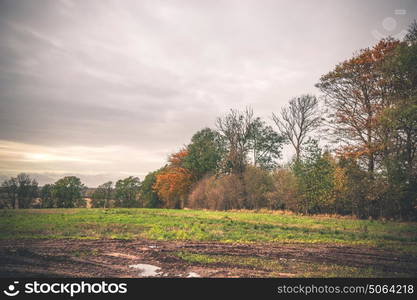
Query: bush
[
  {"x": 198, "y": 197},
  {"x": 223, "y": 193},
  {"x": 258, "y": 186},
  {"x": 285, "y": 193}
]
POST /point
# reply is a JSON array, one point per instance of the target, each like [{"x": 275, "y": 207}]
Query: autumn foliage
[
  {"x": 358, "y": 92},
  {"x": 173, "y": 182}
]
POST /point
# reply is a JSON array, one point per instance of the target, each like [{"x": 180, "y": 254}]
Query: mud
[{"x": 114, "y": 258}]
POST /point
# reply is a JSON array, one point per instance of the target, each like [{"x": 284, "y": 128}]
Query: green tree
[
  {"x": 315, "y": 177},
  {"x": 11, "y": 188},
  {"x": 398, "y": 127},
  {"x": 67, "y": 192},
  {"x": 47, "y": 201},
  {"x": 411, "y": 36},
  {"x": 102, "y": 194},
  {"x": 127, "y": 191},
  {"x": 21, "y": 191},
  {"x": 265, "y": 145},
  {"x": 204, "y": 153},
  {"x": 147, "y": 193},
  {"x": 364, "y": 192}
]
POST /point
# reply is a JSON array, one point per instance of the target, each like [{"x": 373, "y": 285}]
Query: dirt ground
[{"x": 113, "y": 258}]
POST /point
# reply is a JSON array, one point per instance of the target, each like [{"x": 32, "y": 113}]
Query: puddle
[
  {"x": 193, "y": 275},
  {"x": 146, "y": 270}
]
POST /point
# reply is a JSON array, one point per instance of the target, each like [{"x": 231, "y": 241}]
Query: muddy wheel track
[{"x": 111, "y": 258}]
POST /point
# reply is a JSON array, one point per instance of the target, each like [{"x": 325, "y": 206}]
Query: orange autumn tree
[
  {"x": 357, "y": 93},
  {"x": 174, "y": 181}
]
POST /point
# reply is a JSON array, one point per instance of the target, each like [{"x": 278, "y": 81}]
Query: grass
[{"x": 198, "y": 225}]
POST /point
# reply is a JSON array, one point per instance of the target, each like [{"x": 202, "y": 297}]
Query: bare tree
[
  {"x": 236, "y": 130},
  {"x": 298, "y": 119}
]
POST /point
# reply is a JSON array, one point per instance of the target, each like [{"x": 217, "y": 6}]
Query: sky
[{"x": 108, "y": 89}]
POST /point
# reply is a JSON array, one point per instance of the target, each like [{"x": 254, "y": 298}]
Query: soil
[{"x": 113, "y": 258}]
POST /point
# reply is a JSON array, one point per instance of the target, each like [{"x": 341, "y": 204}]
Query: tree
[
  {"x": 297, "y": 120},
  {"x": 147, "y": 193},
  {"x": 265, "y": 145},
  {"x": 67, "y": 192},
  {"x": 174, "y": 181},
  {"x": 21, "y": 191},
  {"x": 47, "y": 201},
  {"x": 27, "y": 190},
  {"x": 315, "y": 179},
  {"x": 340, "y": 188},
  {"x": 411, "y": 36},
  {"x": 236, "y": 130},
  {"x": 204, "y": 153},
  {"x": 127, "y": 191},
  {"x": 398, "y": 124},
  {"x": 172, "y": 186},
  {"x": 363, "y": 193},
  {"x": 11, "y": 188},
  {"x": 400, "y": 156},
  {"x": 357, "y": 93},
  {"x": 102, "y": 194}
]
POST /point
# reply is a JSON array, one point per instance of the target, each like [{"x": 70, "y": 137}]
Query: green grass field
[{"x": 228, "y": 227}]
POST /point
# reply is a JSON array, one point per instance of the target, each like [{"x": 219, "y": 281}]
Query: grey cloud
[{"x": 148, "y": 74}]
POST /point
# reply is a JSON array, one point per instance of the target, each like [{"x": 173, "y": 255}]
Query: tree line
[
  {"x": 368, "y": 116},
  {"x": 68, "y": 192},
  {"x": 364, "y": 164}
]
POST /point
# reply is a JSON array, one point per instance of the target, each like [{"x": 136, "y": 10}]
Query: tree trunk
[{"x": 297, "y": 153}]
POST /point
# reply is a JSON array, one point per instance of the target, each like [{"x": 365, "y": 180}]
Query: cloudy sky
[{"x": 106, "y": 89}]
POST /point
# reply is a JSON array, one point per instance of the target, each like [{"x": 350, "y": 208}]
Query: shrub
[
  {"x": 258, "y": 184},
  {"x": 285, "y": 193},
  {"x": 223, "y": 193}
]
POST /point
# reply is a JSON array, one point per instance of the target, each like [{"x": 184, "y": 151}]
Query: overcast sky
[{"x": 107, "y": 89}]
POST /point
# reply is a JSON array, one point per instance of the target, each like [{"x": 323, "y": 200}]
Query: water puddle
[
  {"x": 146, "y": 270},
  {"x": 193, "y": 275}
]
